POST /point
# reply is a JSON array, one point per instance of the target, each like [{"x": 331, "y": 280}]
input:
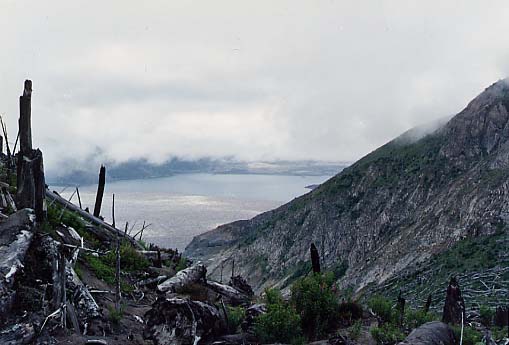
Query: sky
[{"x": 254, "y": 80}]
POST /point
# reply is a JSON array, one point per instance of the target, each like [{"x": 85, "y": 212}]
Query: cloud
[{"x": 328, "y": 80}]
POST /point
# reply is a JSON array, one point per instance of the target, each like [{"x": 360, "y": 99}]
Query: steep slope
[{"x": 397, "y": 206}]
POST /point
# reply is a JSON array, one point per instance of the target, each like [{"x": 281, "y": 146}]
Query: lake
[{"x": 182, "y": 206}]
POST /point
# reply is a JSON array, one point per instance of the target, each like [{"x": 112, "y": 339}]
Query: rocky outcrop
[{"x": 411, "y": 198}]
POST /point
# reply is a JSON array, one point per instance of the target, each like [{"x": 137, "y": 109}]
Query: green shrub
[
  {"x": 387, "y": 334},
  {"x": 499, "y": 333},
  {"x": 416, "y": 318},
  {"x": 281, "y": 323},
  {"x": 316, "y": 303},
  {"x": 101, "y": 269},
  {"x": 348, "y": 311},
  {"x": 114, "y": 315},
  {"x": 235, "y": 317},
  {"x": 182, "y": 264},
  {"x": 355, "y": 330},
  {"x": 382, "y": 307},
  {"x": 470, "y": 335},
  {"x": 130, "y": 259}
]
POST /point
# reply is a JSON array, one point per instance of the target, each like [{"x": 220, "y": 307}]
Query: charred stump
[
  {"x": 31, "y": 184},
  {"x": 100, "y": 191},
  {"x": 401, "y": 309},
  {"x": 427, "y": 305},
  {"x": 315, "y": 258},
  {"x": 454, "y": 307}
]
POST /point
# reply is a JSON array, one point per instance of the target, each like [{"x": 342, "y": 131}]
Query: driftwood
[
  {"x": 18, "y": 334},
  {"x": 229, "y": 294},
  {"x": 151, "y": 281},
  {"x": 100, "y": 191},
  {"x": 16, "y": 234},
  {"x": 184, "y": 278},
  {"x": 431, "y": 333},
  {"x": 179, "y": 321},
  {"x": 111, "y": 231}
]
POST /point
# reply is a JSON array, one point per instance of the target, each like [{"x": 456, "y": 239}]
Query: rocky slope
[{"x": 397, "y": 206}]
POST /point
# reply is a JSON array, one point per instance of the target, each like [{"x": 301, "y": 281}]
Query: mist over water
[{"x": 182, "y": 206}]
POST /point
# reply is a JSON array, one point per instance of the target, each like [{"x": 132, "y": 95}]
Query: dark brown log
[
  {"x": 315, "y": 258},
  {"x": 454, "y": 307},
  {"x": 431, "y": 333},
  {"x": 100, "y": 191},
  {"x": 1, "y": 144},
  {"x": 25, "y": 114}
]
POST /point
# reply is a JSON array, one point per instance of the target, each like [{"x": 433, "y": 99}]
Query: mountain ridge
[{"x": 395, "y": 207}]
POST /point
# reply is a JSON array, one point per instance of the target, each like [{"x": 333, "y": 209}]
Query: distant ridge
[{"x": 404, "y": 202}]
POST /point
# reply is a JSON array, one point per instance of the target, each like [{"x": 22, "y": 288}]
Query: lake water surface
[{"x": 182, "y": 206}]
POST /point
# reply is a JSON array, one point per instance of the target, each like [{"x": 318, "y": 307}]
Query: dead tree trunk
[
  {"x": 454, "y": 307},
  {"x": 428, "y": 304},
  {"x": 401, "y": 309},
  {"x": 315, "y": 258},
  {"x": 25, "y": 115},
  {"x": 30, "y": 170},
  {"x": 100, "y": 191}
]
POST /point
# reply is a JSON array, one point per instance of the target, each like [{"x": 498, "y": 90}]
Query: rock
[
  {"x": 179, "y": 321},
  {"x": 431, "y": 333},
  {"x": 454, "y": 307},
  {"x": 251, "y": 313}
]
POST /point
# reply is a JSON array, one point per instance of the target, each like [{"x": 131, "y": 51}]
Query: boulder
[{"x": 431, "y": 333}]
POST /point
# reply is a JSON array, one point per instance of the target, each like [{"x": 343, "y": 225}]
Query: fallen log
[
  {"x": 86, "y": 307},
  {"x": 16, "y": 234},
  {"x": 110, "y": 232},
  {"x": 179, "y": 321},
  {"x": 184, "y": 278},
  {"x": 431, "y": 333},
  {"x": 230, "y": 295},
  {"x": 18, "y": 334}
]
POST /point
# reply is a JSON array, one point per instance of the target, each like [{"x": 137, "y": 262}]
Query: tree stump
[{"x": 454, "y": 307}]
